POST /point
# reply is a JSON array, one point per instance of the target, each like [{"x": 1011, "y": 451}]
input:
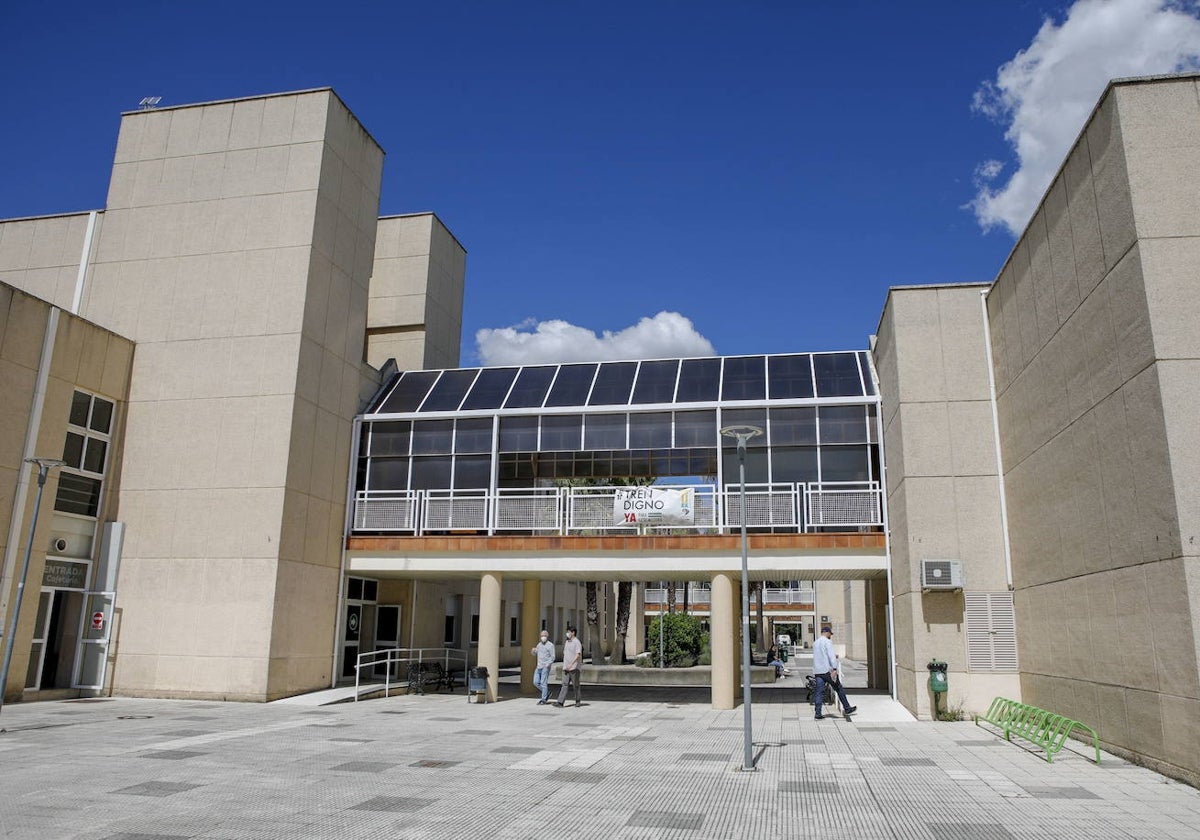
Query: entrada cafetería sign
[{"x": 654, "y": 506}]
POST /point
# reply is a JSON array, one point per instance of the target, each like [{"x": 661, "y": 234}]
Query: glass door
[
  {"x": 41, "y": 631},
  {"x": 95, "y": 631},
  {"x": 387, "y": 632}
]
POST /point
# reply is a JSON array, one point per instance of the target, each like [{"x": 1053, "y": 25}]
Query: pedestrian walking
[
  {"x": 572, "y": 662},
  {"x": 544, "y": 651},
  {"x": 826, "y": 671}
]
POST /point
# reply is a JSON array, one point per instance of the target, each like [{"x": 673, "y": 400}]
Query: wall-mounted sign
[
  {"x": 65, "y": 574},
  {"x": 654, "y": 506}
]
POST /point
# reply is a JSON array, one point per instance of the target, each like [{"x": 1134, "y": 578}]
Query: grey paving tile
[
  {"x": 394, "y": 804},
  {"x": 676, "y": 820},
  {"x": 906, "y": 761},
  {"x": 704, "y": 757},
  {"x": 171, "y": 755},
  {"x": 186, "y": 733},
  {"x": 157, "y": 788},
  {"x": 125, "y": 835},
  {"x": 431, "y": 763},
  {"x": 517, "y": 750},
  {"x": 363, "y": 766},
  {"x": 479, "y": 732},
  {"x": 578, "y": 776},
  {"x": 968, "y": 831},
  {"x": 1059, "y": 792},
  {"x": 808, "y": 786}
]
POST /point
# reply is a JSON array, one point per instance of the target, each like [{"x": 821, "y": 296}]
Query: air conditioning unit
[{"x": 941, "y": 574}]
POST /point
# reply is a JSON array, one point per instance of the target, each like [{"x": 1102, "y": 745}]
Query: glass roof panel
[
  {"x": 530, "y": 388},
  {"x": 866, "y": 372},
  {"x": 744, "y": 378},
  {"x": 837, "y": 375},
  {"x": 572, "y": 385},
  {"x": 490, "y": 388},
  {"x": 790, "y": 377},
  {"x": 656, "y": 382},
  {"x": 613, "y": 383},
  {"x": 699, "y": 380},
  {"x": 409, "y": 391},
  {"x": 449, "y": 391}
]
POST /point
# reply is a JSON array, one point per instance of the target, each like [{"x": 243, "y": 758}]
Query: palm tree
[
  {"x": 593, "y": 620},
  {"x": 624, "y": 596}
]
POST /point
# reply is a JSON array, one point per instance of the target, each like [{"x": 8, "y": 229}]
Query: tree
[
  {"x": 593, "y": 620},
  {"x": 624, "y": 596},
  {"x": 682, "y": 640},
  {"x": 757, "y": 586}
]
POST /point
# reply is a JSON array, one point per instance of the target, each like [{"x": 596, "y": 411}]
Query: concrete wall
[
  {"x": 42, "y": 255},
  {"x": 1097, "y": 357},
  {"x": 83, "y": 356},
  {"x": 415, "y": 312},
  {"x": 942, "y": 487}
]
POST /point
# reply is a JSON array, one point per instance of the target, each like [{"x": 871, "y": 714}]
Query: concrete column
[
  {"x": 531, "y": 626},
  {"x": 725, "y": 642},
  {"x": 489, "y": 631},
  {"x": 635, "y": 642}
]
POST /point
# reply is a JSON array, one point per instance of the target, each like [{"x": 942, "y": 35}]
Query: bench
[
  {"x": 421, "y": 674},
  {"x": 1045, "y": 730}
]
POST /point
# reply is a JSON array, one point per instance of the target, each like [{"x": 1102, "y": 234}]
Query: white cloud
[
  {"x": 666, "y": 335},
  {"x": 1045, "y": 93}
]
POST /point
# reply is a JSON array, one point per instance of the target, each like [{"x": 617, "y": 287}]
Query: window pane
[
  {"x": 490, "y": 388},
  {"x": 745, "y": 417},
  {"x": 472, "y": 472},
  {"x": 837, "y": 375},
  {"x": 102, "y": 411},
  {"x": 473, "y": 434},
  {"x": 793, "y": 426},
  {"x": 562, "y": 432},
  {"x": 449, "y": 390},
  {"x": 409, "y": 391},
  {"x": 80, "y": 405},
  {"x": 656, "y": 382},
  {"x": 756, "y": 468},
  {"x": 650, "y": 431},
  {"x": 530, "y": 388},
  {"x": 843, "y": 424},
  {"x": 604, "y": 431},
  {"x": 73, "y": 450},
  {"x": 93, "y": 455},
  {"x": 431, "y": 473},
  {"x": 518, "y": 434},
  {"x": 790, "y": 376},
  {"x": 77, "y": 494},
  {"x": 866, "y": 372},
  {"x": 744, "y": 379},
  {"x": 844, "y": 463},
  {"x": 695, "y": 428},
  {"x": 613, "y": 383},
  {"x": 432, "y": 437},
  {"x": 390, "y": 438},
  {"x": 794, "y": 463},
  {"x": 387, "y": 474},
  {"x": 699, "y": 380},
  {"x": 572, "y": 385}
]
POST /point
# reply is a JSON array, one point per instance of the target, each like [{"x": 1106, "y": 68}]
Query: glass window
[
  {"x": 409, "y": 392},
  {"x": 387, "y": 474},
  {"x": 518, "y": 434},
  {"x": 473, "y": 434},
  {"x": 472, "y": 472},
  {"x": 390, "y": 438},
  {"x": 745, "y": 417},
  {"x": 93, "y": 455},
  {"x": 613, "y": 383},
  {"x": 604, "y": 431},
  {"x": 77, "y": 494},
  {"x": 656, "y": 382},
  {"x": 794, "y": 463},
  {"x": 102, "y": 412},
  {"x": 837, "y": 375},
  {"x": 449, "y": 391},
  {"x": 572, "y": 385},
  {"x": 744, "y": 378},
  {"x": 756, "y": 468},
  {"x": 790, "y": 376},
  {"x": 843, "y": 424},
  {"x": 73, "y": 450},
  {"x": 530, "y": 388},
  {"x": 432, "y": 437},
  {"x": 699, "y": 380},
  {"x": 431, "y": 472},
  {"x": 81, "y": 405},
  {"x": 844, "y": 463},
  {"x": 490, "y": 388},
  {"x": 696, "y": 428},
  {"x": 650, "y": 431},
  {"x": 562, "y": 432},
  {"x": 790, "y": 426},
  {"x": 866, "y": 373}
]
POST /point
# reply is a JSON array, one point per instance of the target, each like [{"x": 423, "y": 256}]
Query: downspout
[
  {"x": 987, "y": 344},
  {"x": 887, "y": 530},
  {"x": 84, "y": 259}
]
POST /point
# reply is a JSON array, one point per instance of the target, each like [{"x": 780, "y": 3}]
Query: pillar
[
  {"x": 635, "y": 642},
  {"x": 531, "y": 627},
  {"x": 725, "y": 641},
  {"x": 489, "y": 631}
]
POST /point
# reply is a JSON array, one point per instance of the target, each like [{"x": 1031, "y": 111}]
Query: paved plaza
[{"x": 629, "y": 763}]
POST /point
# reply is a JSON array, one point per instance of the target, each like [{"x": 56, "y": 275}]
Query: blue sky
[{"x": 763, "y": 169}]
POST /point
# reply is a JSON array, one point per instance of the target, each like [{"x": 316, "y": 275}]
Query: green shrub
[
  {"x": 683, "y": 640},
  {"x": 705, "y": 651}
]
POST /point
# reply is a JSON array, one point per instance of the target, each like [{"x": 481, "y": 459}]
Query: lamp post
[
  {"x": 743, "y": 434},
  {"x": 44, "y": 466}
]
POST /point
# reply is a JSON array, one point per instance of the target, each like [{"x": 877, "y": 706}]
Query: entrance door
[
  {"x": 91, "y": 658},
  {"x": 41, "y": 630},
  {"x": 387, "y": 632}
]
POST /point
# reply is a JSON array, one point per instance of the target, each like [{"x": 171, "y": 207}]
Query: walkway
[{"x": 624, "y": 765}]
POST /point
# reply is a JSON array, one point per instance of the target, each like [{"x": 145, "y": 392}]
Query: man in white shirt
[
  {"x": 544, "y": 651},
  {"x": 826, "y": 671},
  {"x": 572, "y": 662}
]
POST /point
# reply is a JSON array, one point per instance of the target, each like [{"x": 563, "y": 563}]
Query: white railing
[
  {"x": 696, "y": 596},
  {"x": 394, "y": 663},
  {"x": 802, "y": 597},
  {"x": 795, "y": 507}
]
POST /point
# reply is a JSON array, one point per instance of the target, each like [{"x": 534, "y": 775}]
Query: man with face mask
[
  {"x": 544, "y": 651},
  {"x": 572, "y": 661}
]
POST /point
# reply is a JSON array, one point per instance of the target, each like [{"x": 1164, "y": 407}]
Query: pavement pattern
[{"x": 628, "y": 763}]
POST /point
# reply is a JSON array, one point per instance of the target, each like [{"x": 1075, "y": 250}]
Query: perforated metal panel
[{"x": 991, "y": 631}]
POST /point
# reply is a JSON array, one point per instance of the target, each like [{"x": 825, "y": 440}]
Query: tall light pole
[
  {"x": 44, "y": 466},
  {"x": 743, "y": 434}
]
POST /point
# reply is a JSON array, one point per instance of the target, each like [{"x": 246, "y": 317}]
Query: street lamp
[
  {"x": 44, "y": 466},
  {"x": 743, "y": 434}
]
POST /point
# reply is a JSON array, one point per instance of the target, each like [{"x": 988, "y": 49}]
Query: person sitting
[{"x": 775, "y": 659}]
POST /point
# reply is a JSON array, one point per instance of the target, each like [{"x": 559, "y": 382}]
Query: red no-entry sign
[{"x": 97, "y": 620}]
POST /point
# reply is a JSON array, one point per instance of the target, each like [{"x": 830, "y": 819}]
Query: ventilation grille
[{"x": 991, "y": 631}]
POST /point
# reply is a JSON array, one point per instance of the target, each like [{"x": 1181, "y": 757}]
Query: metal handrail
[{"x": 395, "y": 656}]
